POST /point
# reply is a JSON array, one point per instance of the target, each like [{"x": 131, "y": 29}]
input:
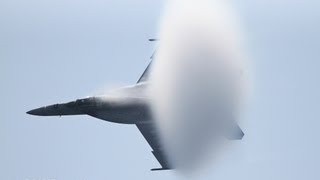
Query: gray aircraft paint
[{"x": 127, "y": 105}]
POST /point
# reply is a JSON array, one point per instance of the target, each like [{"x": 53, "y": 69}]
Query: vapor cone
[{"x": 196, "y": 80}]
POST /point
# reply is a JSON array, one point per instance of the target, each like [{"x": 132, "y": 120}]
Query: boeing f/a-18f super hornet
[{"x": 128, "y": 105}]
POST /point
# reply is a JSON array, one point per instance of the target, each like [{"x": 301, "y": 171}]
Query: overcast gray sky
[{"x": 55, "y": 51}]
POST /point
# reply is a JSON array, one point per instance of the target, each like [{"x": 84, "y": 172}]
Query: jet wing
[
  {"x": 144, "y": 77},
  {"x": 150, "y": 134},
  {"x": 149, "y": 131}
]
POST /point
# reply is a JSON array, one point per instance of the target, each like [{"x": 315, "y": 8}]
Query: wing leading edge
[
  {"x": 144, "y": 77},
  {"x": 150, "y": 134}
]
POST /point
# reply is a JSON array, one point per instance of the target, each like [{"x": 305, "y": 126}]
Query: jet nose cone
[{"x": 36, "y": 112}]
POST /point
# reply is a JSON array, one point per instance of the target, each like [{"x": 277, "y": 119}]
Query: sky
[{"x": 57, "y": 51}]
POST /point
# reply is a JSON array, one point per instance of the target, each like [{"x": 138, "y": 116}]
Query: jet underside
[{"x": 128, "y": 105}]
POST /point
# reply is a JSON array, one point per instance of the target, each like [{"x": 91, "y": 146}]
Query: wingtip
[
  {"x": 160, "y": 169},
  {"x": 151, "y": 40}
]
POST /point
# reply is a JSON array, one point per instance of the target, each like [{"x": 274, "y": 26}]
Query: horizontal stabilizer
[{"x": 234, "y": 132}]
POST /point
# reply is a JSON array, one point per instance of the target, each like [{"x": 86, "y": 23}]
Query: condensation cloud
[{"x": 197, "y": 79}]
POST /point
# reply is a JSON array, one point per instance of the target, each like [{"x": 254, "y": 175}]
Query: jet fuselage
[{"x": 128, "y": 105}]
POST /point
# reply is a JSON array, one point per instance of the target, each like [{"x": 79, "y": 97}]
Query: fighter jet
[{"x": 127, "y": 105}]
